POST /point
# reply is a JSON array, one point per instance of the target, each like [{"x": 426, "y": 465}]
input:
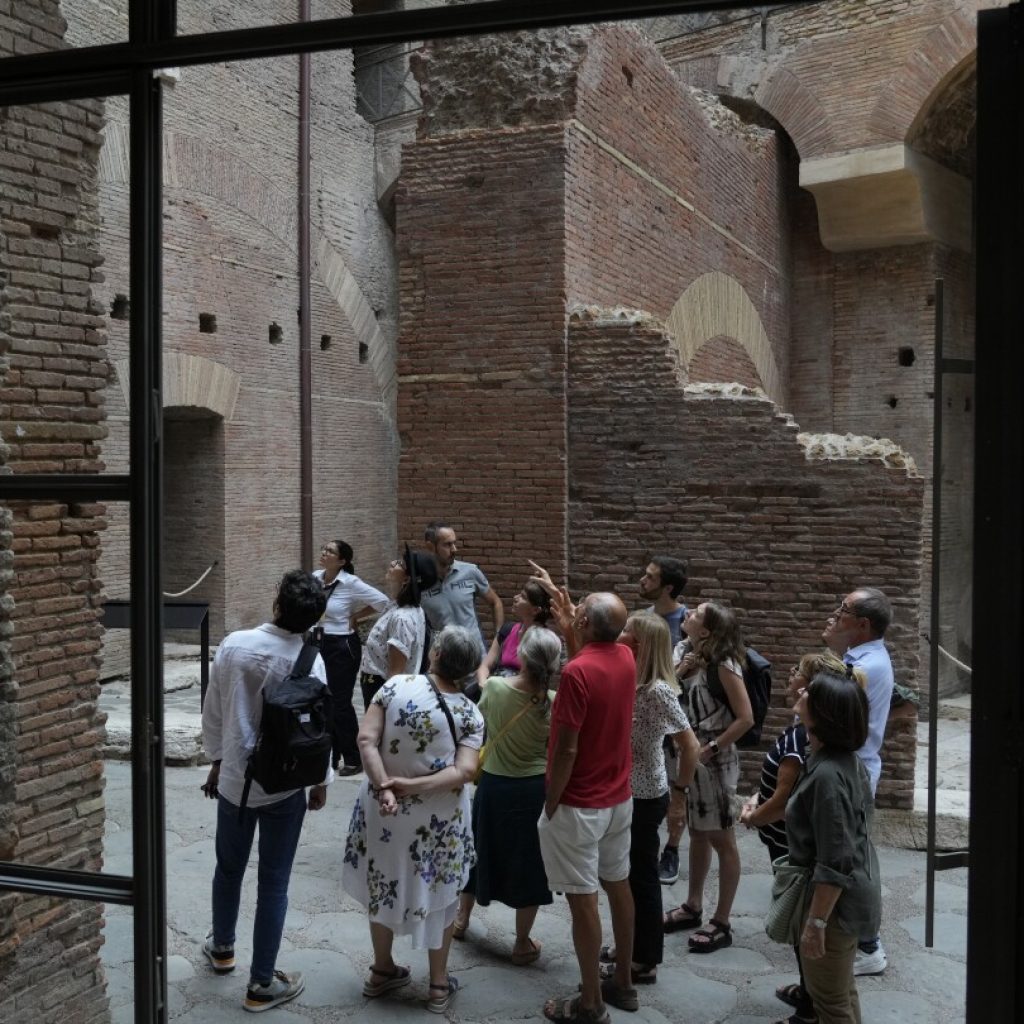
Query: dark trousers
[
  {"x": 369, "y": 684},
  {"x": 342, "y": 655},
  {"x": 644, "y": 846}
]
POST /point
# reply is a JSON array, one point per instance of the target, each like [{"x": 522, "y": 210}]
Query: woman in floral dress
[{"x": 410, "y": 840}]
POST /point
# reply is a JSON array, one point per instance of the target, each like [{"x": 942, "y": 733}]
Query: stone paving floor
[{"x": 326, "y": 937}]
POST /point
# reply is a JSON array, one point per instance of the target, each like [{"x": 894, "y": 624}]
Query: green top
[{"x": 522, "y": 750}]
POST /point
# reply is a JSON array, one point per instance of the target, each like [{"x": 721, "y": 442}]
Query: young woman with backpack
[{"x": 717, "y": 649}]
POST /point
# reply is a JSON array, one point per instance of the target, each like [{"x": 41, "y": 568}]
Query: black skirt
[{"x": 509, "y": 868}]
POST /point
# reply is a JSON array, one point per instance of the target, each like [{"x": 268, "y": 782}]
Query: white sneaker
[{"x": 870, "y": 963}]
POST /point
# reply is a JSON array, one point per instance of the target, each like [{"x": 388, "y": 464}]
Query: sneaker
[
  {"x": 222, "y": 958},
  {"x": 278, "y": 990},
  {"x": 347, "y": 770},
  {"x": 668, "y": 866},
  {"x": 870, "y": 963}
]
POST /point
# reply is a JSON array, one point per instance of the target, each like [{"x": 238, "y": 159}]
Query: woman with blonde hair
[
  {"x": 656, "y": 714},
  {"x": 720, "y": 712}
]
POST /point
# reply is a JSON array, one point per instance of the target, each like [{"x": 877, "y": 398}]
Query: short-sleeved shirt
[
  {"x": 595, "y": 698},
  {"x": 452, "y": 601},
  {"x": 400, "y": 627},
  {"x": 656, "y": 714},
  {"x": 872, "y": 659},
  {"x": 522, "y": 749},
  {"x": 348, "y": 595},
  {"x": 674, "y": 621}
]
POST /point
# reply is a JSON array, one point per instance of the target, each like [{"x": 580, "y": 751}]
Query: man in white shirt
[
  {"x": 246, "y": 661},
  {"x": 855, "y": 632}
]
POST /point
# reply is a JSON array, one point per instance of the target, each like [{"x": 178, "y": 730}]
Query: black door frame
[{"x": 995, "y": 946}]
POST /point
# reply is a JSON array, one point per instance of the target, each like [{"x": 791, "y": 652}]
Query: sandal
[
  {"x": 621, "y": 998},
  {"x": 562, "y": 1010},
  {"x": 682, "y": 919},
  {"x": 607, "y": 955},
  {"x": 522, "y": 959},
  {"x": 643, "y": 974},
  {"x": 395, "y": 978},
  {"x": 716, "y": 934},
  {"x": 438, "y": 1004},
  {"x": 792, "y": 995}
]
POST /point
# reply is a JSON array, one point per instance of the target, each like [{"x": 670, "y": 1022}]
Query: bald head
[{"x": 606, "y": 617}]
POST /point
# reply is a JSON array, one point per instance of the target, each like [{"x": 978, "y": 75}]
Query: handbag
[
  {"x": 490, "y": 744},
  {"x": 790, "y": 893}
]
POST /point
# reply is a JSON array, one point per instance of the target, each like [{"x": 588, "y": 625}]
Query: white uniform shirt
[
  {"x": 247, "y": 660},
  {"x": 348, "y": 596}
]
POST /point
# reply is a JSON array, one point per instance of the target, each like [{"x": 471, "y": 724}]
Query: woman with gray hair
[
  {"x": 510, "y": 791},
  {"x": 410, "y": 844}
]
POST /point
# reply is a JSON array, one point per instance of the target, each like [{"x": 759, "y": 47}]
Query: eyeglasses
[
  {"x": 845, "y": 609},
  {"x": 328, "y": 551}
]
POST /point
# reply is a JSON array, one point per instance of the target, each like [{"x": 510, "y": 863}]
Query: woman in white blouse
[
  {"x": 349, "y": 599},
  {"x": 397, "y": 642},
  {"x": 656, "y": 714}
]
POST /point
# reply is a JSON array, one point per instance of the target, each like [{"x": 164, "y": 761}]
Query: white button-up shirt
[
  {"x": 246, "y": 661},
  {"x": 873, "y": 660},
  {"x": 348, "y": 596}
]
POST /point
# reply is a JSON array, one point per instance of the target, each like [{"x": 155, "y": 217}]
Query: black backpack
[
  {"x": 293, "y": 748},
  {"x": 757, "y": 678}
]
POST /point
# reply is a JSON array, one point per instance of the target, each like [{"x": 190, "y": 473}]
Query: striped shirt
[{"x": 792, "y": 743}]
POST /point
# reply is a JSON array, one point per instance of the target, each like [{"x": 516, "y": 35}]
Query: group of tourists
[{"x": 584, "y": 728}]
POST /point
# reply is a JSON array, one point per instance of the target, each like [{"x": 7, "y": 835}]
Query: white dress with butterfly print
[{"x": 407, "y": 869}]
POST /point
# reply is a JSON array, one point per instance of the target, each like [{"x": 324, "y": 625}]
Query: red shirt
[{"x": 595, "y": 698}]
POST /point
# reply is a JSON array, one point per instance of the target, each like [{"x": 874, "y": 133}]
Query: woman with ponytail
[
  {"x": 510, "y": 792},
  {"x": 349, "y": 599}
]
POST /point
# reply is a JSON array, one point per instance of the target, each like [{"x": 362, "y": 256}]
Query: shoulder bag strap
[
  {"x": 444, "y": 707},
  {"x": 512, "y": 721}
]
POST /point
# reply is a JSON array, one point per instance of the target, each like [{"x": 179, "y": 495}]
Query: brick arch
[
  {"x": 909, "y": 93},
  {"x": 798, "y": 110},
  {"x": 716, "y": 304},
  {"x": 192, "y": 383},
  {"x": 722, "y": 360},
  {"x": 193, "y": 165}
]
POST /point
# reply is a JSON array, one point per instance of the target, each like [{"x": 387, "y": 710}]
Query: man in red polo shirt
[{"x": 585, "y": 827}]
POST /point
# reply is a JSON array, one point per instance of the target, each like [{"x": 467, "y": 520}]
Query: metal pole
[
  {"x": 933, "y": 627},
  {"x": 305, "y": 303}
]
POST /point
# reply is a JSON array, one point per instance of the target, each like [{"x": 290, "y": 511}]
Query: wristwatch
[
  {"x": 817, "y": 922},
  {"x": 714, "y": 745}
]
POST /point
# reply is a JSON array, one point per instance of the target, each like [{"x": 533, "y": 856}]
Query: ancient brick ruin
[{"x": 529, "y": 308}]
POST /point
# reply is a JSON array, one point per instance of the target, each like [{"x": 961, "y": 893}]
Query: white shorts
[{"x": 584, "y": 846}]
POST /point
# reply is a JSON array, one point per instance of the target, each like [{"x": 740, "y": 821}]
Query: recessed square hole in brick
[
  {"x": 120, "y": 307},
  {"x": 892, "y": 401},
  {"x": 275, "y": 334},
  {"x": 905, "y": 356},
  {"x": 364, "y": 352},
  {"x": 207, "y": 323},
  {"x": 325, "y": 342}
]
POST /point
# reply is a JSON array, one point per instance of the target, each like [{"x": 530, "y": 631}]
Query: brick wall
[
  {"x": 54, "y": 371},
  {"x": 230, "y": 229},
  {"x": 722, "y": 360},
  {"x": 481, "y": 405},
  {"x": 724, "y": 483}
]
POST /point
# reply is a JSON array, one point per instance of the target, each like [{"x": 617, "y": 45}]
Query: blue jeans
[{"x": 280, "y": 824}]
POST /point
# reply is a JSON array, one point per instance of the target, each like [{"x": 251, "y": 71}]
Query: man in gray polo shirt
[{"x": 452, "y": 600}]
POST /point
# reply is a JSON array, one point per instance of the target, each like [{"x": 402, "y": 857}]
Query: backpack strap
[
  {"x": 305, "y": 661},
  {"x": 245, "y": 793}
]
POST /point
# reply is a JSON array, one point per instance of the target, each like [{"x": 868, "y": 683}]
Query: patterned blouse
[{"x": 657, "y": 713}]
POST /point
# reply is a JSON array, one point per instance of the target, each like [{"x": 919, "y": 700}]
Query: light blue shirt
[{"x": 872, "y": 659}]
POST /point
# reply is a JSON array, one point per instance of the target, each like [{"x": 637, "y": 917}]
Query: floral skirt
[{"x": 408, "y": 869}]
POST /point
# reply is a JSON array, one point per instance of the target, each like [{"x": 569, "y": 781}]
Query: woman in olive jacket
[{"x": 828, "y": 825}]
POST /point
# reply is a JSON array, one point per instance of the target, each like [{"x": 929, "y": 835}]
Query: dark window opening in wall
[
  {"x": 385, "y": 86},
  {"x": 325, "y": 342},
  {"x": 275, "y": 334},
  {"x": 207, "y": 323},
  {"x": 364, "y": 352},
  {"x": 892, "y": 401},
  {"x": 906, "y": 356},
  {"x": 120, "y": 307}
]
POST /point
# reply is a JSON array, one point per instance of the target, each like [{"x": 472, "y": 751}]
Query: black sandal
[
  {"x": 716, "y": 934},
  {"x": 682, "y": 919}
]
